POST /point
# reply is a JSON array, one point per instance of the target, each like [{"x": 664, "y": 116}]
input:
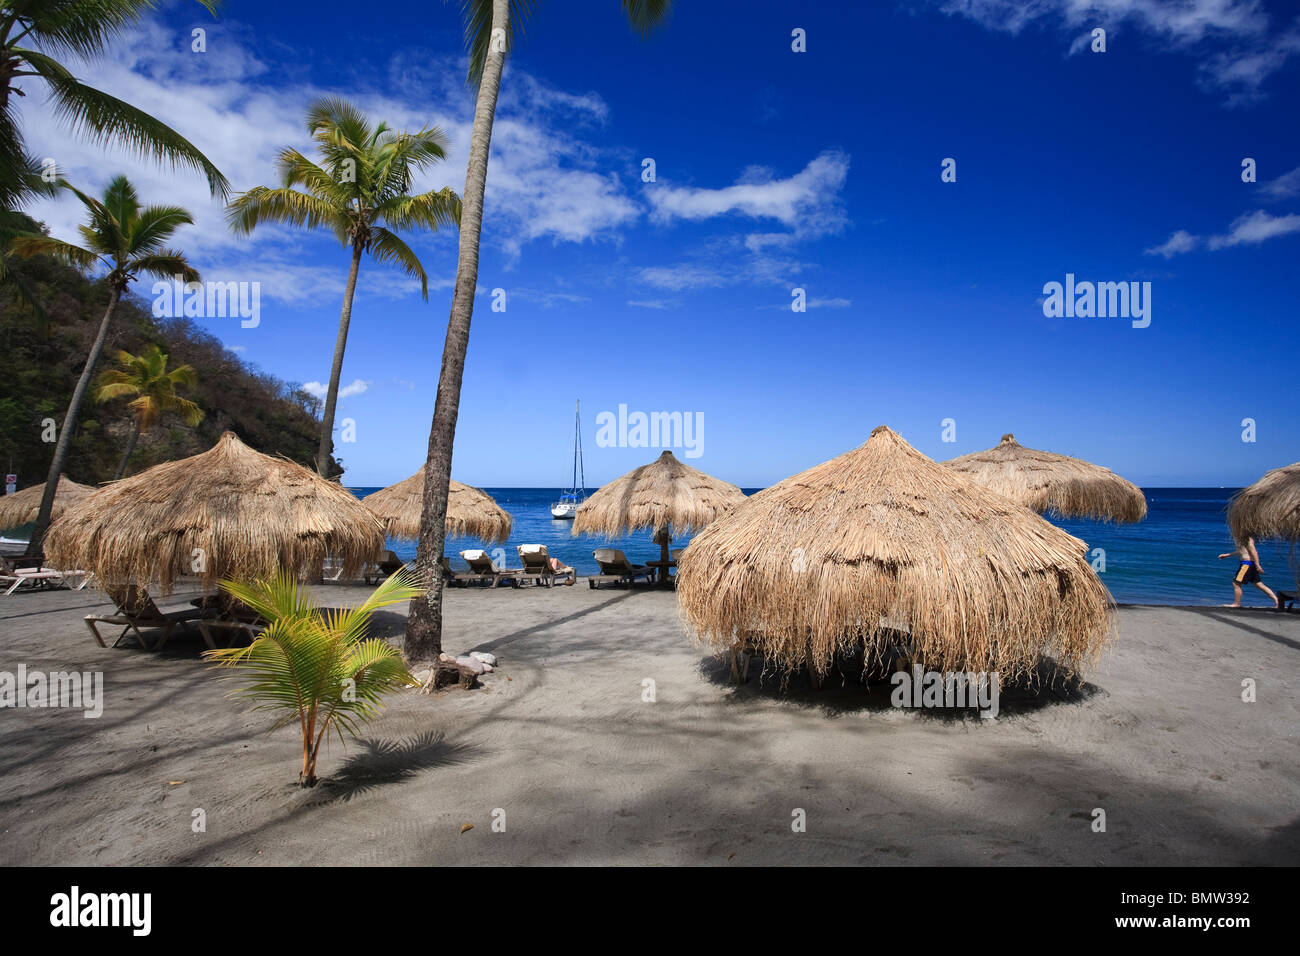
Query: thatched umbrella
[
  {"x": 21, "y": 506},
  {"x": 470, "y": 512},
  {"x": 664, "y": 497},
  {"x": 880, "y": 540},
  {"x": 1046, "y": 482},
  {"x": 230, "y": 512},
  {"x": 1270, "y": 508}
]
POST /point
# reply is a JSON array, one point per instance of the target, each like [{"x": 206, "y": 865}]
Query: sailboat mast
[{"x": 577, "y": 431}]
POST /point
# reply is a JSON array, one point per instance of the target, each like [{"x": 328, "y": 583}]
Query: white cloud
[
  {"x": 1249, "y": 49},
  {"x": 1248, "y": 229},
  {"x": 319, "y": 389},
  {"x": 1253, "y": 228},
  {"x": 835, "y": 303},
  {"x": 807, "y": 203},
  {"x": 1180, "y": 242},
  {"x": 648, "y": 303},
  {"x": 1284, "y": 187},
  {"x": 682, "y": 277},
  {"x": 544, "y": 180}
]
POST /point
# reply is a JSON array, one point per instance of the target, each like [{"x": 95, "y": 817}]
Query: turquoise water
[{"x": 1170, "y": 558}]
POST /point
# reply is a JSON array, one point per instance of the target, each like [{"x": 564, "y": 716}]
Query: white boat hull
[{"x": 564, "y": 510}]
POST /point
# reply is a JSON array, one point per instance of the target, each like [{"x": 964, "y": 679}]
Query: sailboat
[{"x": 567, "y": 506}]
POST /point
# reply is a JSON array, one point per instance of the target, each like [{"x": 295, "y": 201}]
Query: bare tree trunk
[
  {"x": 130, "y": 447},
  {"x": 424, "y": 625},
  {"x": 64, "y": 443},
  {"x": 332, "y": 396}
]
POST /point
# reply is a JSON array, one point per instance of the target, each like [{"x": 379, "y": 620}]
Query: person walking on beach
[{"x": 1248, "y": 572}]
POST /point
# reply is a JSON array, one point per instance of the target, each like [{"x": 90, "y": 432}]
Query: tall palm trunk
[
  {"x": 130, "y": 448},
  {"x": 64, "y": 443},
  {"x": 332, "y": 396},
  {"x": 424, "y": 625}
]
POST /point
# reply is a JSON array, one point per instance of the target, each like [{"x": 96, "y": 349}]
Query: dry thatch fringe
[
  {"x": 471, "y": 513},
  {"x": 22, "y": 506},
  {"x": 1057, "y": 484},
  {"x": 1270, "y": 508},
  {"x": 880, "y": 540},
  {"x": 664, "y": 495},
  {"x": 248, "y": 515}
]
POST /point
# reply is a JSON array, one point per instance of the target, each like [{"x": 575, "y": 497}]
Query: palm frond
[
  {"x": 431, "y": 210},
  {"x": 154, "y": 225},
  {"x": 165, "y": 264},
  {"x": 645, "y": 15},
  {"x": 103, "y": 118},
  {"x": 385, "y": 246},
  {"x": 289, "y": 206},
  {"x": 37, "y": 245}
]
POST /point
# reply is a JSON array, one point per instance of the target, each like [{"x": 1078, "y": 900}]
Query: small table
[{"x": 662, "y": 577}]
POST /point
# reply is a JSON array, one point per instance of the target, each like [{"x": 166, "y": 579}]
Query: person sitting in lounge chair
[{"x": 541, "y": 567}]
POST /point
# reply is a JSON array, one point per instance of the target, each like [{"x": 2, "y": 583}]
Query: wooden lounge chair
[
  {"x": 388, "y": 565},
  {"x": 541, "y": 567},
  {"x": 137, "y": 612},
  {"x": 614, "y": 567},
  {"x": 451, "y": 577},
  {"x": 483, "y": 568}
]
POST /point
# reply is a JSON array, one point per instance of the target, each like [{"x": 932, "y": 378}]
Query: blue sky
[{"x": 776, "y": 170}]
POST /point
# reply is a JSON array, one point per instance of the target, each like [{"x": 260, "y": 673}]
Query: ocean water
[{"x": 1170, "y": 558}]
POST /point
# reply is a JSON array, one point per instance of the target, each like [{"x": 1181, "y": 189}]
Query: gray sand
[{"x": 586, "y": 772}]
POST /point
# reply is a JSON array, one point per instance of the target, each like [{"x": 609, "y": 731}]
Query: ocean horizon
[{"x": 1169, "y": 558}]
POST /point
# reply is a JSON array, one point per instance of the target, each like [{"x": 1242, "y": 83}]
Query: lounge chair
[
  {"x": 136, "y": 612},
  {"x": 614, "y": 566},
  {"x": 483, "y": 568},
  {"x": 388, "y": 565},
  {"x": 1286, "y": 600},
  {"x": 451, "y": 577},
  {"x": 541, "y": 567},
  {"x": 16, "y": 573},
  {"x": 332, "y": 569}
]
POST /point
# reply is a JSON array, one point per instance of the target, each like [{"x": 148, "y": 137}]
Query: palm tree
[
  {"x": 128, "y": 240},
  {"x": 316, "y": 665},
  {"x": 146, "y": 379},
  {"x": 80, "y": 28},
  {"x": 364, "y": 180},
  {"x": 489, "y": 34}
]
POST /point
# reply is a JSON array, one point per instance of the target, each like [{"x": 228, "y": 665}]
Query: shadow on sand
[
  {"x": 845, "y": 691},
  {"x": 382, "y": 762}
]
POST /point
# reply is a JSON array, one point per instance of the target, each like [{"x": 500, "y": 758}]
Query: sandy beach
[{"x": 562, "y": 745}]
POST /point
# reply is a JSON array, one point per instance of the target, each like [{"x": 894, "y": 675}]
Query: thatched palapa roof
[
  {"x": 663, "y": 496},
  {"x": 249, "y": 515},
  {"x": 22, "y": 506},
  {"x": 1270, "y": 508},
  {"x": 881, "y": 540},
  {"x": 1047, "y": 482},
  {"x": 470, "y": 512}
]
